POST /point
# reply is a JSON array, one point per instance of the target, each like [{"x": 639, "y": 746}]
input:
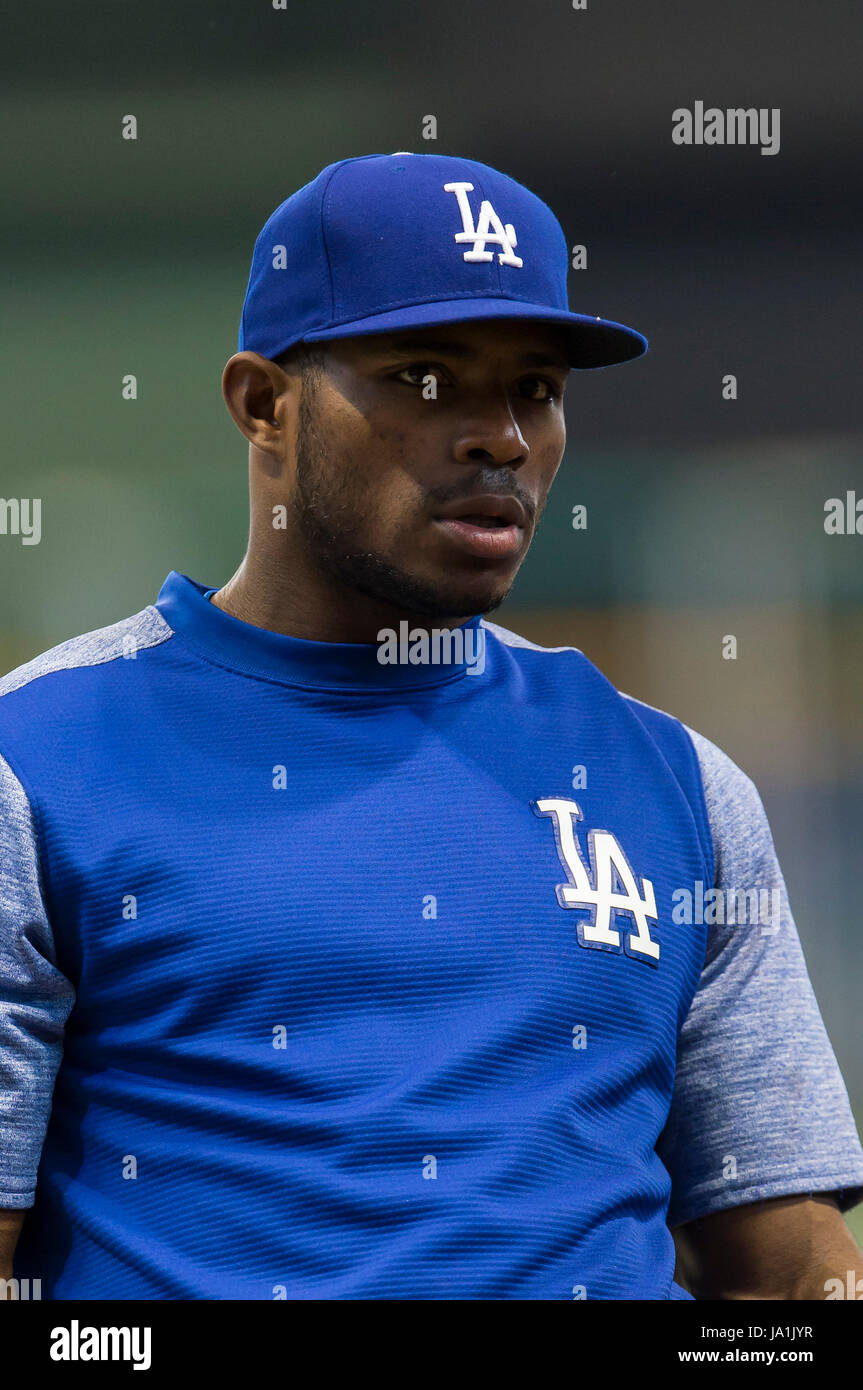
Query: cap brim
[{"x": 591, "y": 342}]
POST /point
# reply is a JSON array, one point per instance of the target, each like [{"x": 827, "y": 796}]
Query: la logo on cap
[{"x": 489, "y": 228}]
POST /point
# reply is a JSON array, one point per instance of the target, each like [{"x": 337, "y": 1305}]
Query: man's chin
[
  {"x": 446, "y": 600},
  {"x": 440, "y": 601}
]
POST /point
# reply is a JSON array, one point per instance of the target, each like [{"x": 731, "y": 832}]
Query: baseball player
[{"x": 322, "y": 976}]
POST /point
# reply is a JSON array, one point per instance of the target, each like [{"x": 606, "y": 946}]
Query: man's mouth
[{"x": 490, "y": 526}]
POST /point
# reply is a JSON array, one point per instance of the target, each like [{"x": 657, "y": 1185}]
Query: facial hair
[{"x": 328, "y": 510}]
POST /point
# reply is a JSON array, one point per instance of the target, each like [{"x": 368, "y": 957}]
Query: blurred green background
[{"x": 705, "y": 516}]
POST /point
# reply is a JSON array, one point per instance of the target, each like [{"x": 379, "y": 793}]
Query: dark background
[{"x": 706, "y": 516}]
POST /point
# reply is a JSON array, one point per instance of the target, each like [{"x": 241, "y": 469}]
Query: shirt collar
[{"x": 216, "y": 635}]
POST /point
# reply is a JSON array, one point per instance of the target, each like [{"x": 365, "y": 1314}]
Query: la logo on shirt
[{"x": 605, "y": 885}]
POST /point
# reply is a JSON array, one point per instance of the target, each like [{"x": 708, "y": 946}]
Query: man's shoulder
[
  {"x": 515, "y": 639},
  {"x": 714, "y": 761},
  {"x": 655, "y": 721},
  {"x": 724, "y": 797},
  {"x": 39, "y": 678}
]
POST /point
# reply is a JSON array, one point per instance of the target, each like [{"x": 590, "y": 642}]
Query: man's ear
[{"x": 262, "y": 399}]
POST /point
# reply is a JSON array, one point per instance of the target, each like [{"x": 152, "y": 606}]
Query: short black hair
[{"x": 308, "y": 358}]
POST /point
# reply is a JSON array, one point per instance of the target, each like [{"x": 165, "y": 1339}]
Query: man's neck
[{"x": 280, "y": 605}]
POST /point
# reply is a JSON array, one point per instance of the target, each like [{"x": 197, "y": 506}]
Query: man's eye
[
  {"x": 537, "y": 388},
  {"x": 418, "y": 372}
]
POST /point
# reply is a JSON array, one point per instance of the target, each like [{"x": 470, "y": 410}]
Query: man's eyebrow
[
  {"x": 423, "y": 346},
  {"x": 546, "y": 359}
]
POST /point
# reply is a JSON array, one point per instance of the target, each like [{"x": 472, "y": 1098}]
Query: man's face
[{"x": 399, "y": 477}]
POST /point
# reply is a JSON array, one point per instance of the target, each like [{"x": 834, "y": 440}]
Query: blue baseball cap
[{"x": 384, "y": 242}]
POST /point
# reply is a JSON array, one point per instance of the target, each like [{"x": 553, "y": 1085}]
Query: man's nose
[{"x": 491, "y": 433}]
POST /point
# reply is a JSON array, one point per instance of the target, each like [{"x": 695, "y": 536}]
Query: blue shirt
[{"x": 327, "y": 978}]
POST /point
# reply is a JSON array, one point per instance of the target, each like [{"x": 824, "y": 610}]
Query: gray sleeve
[
  {"x": 759, "y": 1107},
  {"x": 35, "y": 999}
]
